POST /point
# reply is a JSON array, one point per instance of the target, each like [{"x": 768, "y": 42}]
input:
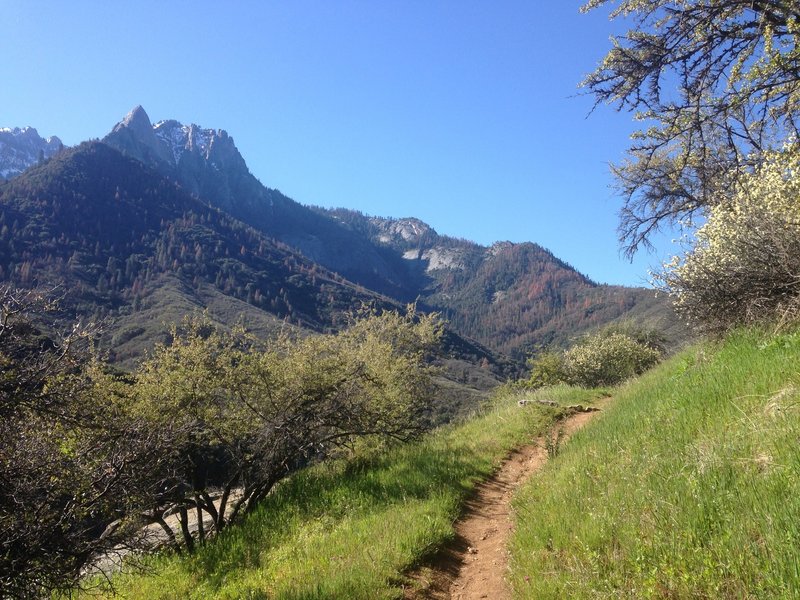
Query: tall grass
[
  {"x": 688, "y": 486},
  {"x": 349, "y": 529}
]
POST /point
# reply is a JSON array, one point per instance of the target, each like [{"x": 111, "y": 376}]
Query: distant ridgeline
[
  {"x": 159, "y": 220},
  {"x": 21, "y": 148}
]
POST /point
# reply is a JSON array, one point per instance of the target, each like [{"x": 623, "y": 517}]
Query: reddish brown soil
[{"x": 475, "y": 563}]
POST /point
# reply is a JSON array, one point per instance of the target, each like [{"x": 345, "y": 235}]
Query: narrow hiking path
[{"x": 475, "y": 563}]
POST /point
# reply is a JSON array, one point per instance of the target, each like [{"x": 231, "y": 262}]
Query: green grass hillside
[
  {"x": 687, "y": 487},
  {"x": 351, "y": 528}
]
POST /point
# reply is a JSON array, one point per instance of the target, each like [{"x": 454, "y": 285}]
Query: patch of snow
[
  {"x": 174, "y": 135},
  {"x": 16, "y": 131},
  {"x": 179, "y": 138},
  {"x": 199, "y": 138}
]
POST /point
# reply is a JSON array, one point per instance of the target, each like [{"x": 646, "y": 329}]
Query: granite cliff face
[
  {"x": 206, "y": 162},
  {"x": 23, "y": 148}
]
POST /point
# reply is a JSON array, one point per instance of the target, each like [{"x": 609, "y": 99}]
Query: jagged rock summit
[
  {"x": 134, "y": 135},
  {"x": 23, "y": 147},
  {"x": 171, "y": 142},
  {"x": 205, "y": 161}
]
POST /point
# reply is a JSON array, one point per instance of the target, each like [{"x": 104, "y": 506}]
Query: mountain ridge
[
  {"x": 22, "y": 147},
  {"x": 514, "y": 297}
]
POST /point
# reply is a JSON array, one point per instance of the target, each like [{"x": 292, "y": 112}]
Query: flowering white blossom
[{"x": 745, "y": 266}]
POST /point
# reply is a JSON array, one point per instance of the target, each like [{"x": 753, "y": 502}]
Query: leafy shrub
[
  {"x": 745, "y": 266},
  {"x": 607, "y": 359},
  {"x": 66, "y": 466},
  {"x": 652, "y": 338},
  {"x": 237, "y": 415},
  {"x": 546, "y": 369}
]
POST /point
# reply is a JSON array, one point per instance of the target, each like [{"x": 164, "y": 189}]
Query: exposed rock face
[
  {"x": 206, "y": 162},
  {"x": 134, "y": 135},
  {"x": 402, "y": 231},
  {"x": 22, "y": 148}
]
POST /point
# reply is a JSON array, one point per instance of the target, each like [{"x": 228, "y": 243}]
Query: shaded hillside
[{"x": 106, "y": 227}]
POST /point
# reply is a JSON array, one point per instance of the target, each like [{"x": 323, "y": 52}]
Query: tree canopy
[
  {"x": 203, "y": 429},
  {"x": 716, "y": 83}
]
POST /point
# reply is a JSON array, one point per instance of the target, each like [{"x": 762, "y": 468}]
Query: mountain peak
[
  {"x": 136, "y": 120},
  {"x": 205, "y": 161},
  {"x": 22, "y": 147},
  {"x": 134, "y": 135}
]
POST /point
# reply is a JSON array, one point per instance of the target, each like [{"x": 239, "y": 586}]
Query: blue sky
[{"x": 465, "y": 114}]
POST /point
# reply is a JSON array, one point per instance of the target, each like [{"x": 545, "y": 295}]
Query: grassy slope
[
  {"x": 688, "y": 487},
  {"x": 349, "y": 530}
]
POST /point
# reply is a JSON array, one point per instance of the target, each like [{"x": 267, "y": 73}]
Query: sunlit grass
[
  {"x": 350, "y": 529},
  {"x": 687, "y": 487}
]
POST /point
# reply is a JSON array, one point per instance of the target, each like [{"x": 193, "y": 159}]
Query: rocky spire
[{"x": 135, "y": 135}]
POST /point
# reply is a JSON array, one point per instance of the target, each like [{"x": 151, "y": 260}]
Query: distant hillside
[
  {"x": 516, "y": 298},
  {"x": 106, "y": 227}
]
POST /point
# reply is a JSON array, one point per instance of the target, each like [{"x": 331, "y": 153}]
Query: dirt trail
[{"x": 475, "y": 563}]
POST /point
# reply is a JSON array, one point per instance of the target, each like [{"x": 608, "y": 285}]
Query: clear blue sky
[{"x": 465, "y": 114}]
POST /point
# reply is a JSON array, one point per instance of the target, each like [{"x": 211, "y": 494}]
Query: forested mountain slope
[
  {"x": 126, "y": 246},
  {"x": 516, "y": 298}
]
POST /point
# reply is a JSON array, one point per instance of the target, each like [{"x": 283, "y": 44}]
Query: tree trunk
[
  {"x": 168, "y": 530},
  {"x": 187, "y": 535},
  {"x": 201, "y": 530}
]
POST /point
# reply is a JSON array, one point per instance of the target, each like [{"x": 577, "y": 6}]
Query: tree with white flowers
[
  {"x": 745, "y": 264},
  {"x": 716, "y": 84}
]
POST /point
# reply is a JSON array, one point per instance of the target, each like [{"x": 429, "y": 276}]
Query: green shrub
[
  {"x": 546, "y": 369},
  {"x": 607, "y": 359}
]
